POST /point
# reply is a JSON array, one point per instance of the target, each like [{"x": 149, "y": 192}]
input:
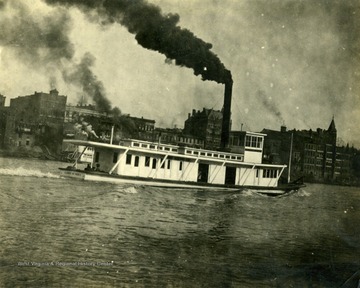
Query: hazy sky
[{"x": 292, "y": 62}]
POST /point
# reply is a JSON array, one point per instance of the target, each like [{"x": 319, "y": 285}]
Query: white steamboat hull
[{"x": 101, "y": 177}]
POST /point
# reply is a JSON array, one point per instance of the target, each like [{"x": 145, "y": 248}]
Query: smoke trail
[
  {"x": 82, "y": 76},
  {"x": 36, "y": 41},
  {"x": 157, "y": 32},
  {"x": 43, "y": 43},
  {"x": 270, "y": 106}
]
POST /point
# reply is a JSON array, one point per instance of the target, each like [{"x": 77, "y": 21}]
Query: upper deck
[
  {"x": 245, "y": 146},
  {"x": 183, "y": 150}
]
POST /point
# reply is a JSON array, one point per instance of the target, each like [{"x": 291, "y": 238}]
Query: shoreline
[{"x": 28, "y": 154}]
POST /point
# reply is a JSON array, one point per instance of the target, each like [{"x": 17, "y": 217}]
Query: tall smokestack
[{"x": 225, "y": 130}]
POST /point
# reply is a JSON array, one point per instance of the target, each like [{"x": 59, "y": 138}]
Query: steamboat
[{"x": 137, "y": 162}]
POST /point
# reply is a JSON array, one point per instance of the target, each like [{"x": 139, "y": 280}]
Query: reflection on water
[{"x": 56, "y": 232}]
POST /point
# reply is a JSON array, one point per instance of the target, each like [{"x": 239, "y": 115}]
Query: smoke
[
  {"x": 43, "y": 44},
  {"x": 82, "y": 75},
  {"x": 157, "y": 32},
  {"x": 270, "y": 106},
  {"x": 36, "y": 41}
]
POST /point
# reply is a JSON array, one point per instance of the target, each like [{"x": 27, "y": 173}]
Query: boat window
[
  {"x": 115, "y": 157},
  {"x": 253, "y": 141},
  {"x": 135, "y": 144},
  {"x": 128, "y": 159},
  {"x": 202, "y": 153},
  {"x": 144, "y": 145},
  {"x": 257, "y": 173},
  {"x": 152, "y": 147},
  {"x": 136, "y": 164},
  {"x": 180, "y": 165},
  {"x": 167, "y": 149},
  {"x": 147, "y": 161},
  {"x": 269, "y": 173},
  {"x": 168, "y": 164},
  {"x": 248, "y": 141},
  {"x": 154, "y": 164},
  {"x": 97, "y": 156},
  {"x": 175, "y": 150},
  {"x": 216, "y": 155}
]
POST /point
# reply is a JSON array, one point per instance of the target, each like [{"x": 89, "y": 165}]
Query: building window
[
  {"x": 128, "y": 159},
  {"x": 115, "y": 157}
]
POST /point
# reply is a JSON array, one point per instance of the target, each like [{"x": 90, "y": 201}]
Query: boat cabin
[{"x": 158, "y": 161}]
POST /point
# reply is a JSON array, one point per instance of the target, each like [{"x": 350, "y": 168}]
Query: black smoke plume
[{"x": 157, "y": 32}]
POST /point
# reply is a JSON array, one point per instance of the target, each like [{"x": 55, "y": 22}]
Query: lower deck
[
  {"x": 118, "y": 179},
  {"x": 170, "y": 167}
]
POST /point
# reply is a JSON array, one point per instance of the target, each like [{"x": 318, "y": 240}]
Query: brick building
[
  {"x": 205, "y": 125},
  {"x": 36, "y": 119},
  {"x": 176, "y": 136},
  {"x": 144, "y": 128},
  {"x": 314, "y": 154},
  {"x": 74, "y": 113}
]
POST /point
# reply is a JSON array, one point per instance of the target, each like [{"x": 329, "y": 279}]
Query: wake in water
[
  {"x": 123, "y": 188},
  {"x": 20, "y": 171},
  {"x": 297, "y": 193},
  {"x": 252, "y": 193}
]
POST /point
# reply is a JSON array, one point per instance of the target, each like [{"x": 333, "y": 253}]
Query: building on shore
[
  {"x": 312, "y": 154},
  {"x": 176, "y": 136},
  {"x": 74, "y": 113},
  {"x": 35, "y": 120},
  {"x": 143, "y": 128},
  {"x": 205, "y": 125}
]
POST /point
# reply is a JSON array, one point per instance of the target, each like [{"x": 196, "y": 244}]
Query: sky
[{"x": 292, "y": 63}]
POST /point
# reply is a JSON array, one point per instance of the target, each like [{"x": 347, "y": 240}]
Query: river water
[{"x": 69, "y": 233}]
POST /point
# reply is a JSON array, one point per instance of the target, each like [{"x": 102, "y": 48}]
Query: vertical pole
[
  {"x": 112, "y": 135},
  {"x": 290, "y": 156}
]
